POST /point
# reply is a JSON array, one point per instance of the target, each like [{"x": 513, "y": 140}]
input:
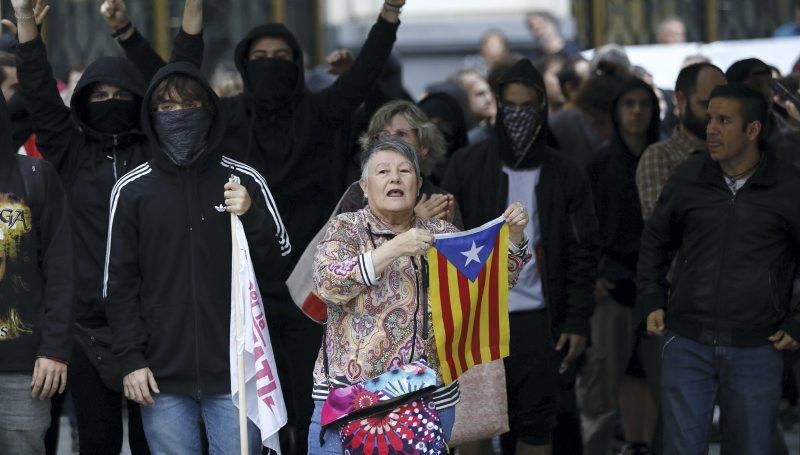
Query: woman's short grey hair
[
  {"x": 390, "y": 144},
  {"x": 428, "y": 134}
]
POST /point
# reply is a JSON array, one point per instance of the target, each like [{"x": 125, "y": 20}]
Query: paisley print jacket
[{"x": 371, "y": 319}]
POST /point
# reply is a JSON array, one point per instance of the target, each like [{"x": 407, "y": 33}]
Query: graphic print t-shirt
[{"x": 17, "y": 254}]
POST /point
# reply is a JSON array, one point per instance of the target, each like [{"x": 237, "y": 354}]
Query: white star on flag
[{"x": 472, "y": 254}]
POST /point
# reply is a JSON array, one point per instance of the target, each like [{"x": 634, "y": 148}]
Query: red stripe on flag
[
  {"x": 476, "y": 329},
  {"x": 447, "y": 313},
  {"x": 466, "y": 306},
  {"x": 494, "y": 307}
]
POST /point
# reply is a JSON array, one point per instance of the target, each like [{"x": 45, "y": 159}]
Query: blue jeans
[
  {"x": 23, "y": 420},
  {"x": 746, "y": 382},
  {"x": 332, "y": 444},
  {"x": 172, "y": 425}
]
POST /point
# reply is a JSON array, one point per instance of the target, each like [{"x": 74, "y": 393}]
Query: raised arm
[
  {"x": 50, "y": 117},
  {"x": 340, "y": 99},
  {"x": 188, "y": 45}
]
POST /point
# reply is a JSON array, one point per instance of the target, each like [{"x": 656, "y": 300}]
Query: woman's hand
[
  {"x": 517, "y": 218},
  {"x": 433, "y": 207},
  {"x": 413, "y": 242}
]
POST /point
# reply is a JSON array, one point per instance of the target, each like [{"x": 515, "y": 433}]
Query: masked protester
[
  {"x": 170, "y": 241},
  {"x": 91, "y": 146},
  {"x": 286, "y": 133},
  {"x": 553, "y": 300}
]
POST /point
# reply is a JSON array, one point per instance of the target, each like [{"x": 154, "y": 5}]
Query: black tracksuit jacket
[{"x": 168, "y": 273}]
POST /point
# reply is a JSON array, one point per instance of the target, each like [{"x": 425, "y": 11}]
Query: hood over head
[
  {"x": 272, "y": 30},
  {"x": 457, "y": 93},
  {"x": 653, "y": 129},
  {"x": 525, "y": 73},
  {"x": 216, "y": 130},
  {"x": 117, "y": 71},
  {"x": 7, "y": 150},
  {"x": 440, "y": 105}
]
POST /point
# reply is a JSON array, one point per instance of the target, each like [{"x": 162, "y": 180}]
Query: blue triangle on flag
[{"x": 469, "y": 251}]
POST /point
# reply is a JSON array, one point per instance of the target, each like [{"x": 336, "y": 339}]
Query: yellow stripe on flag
[{"x": 505, "y": 331}]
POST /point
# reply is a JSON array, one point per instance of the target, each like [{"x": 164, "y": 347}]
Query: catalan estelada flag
[{"x": 468, "y": 294}]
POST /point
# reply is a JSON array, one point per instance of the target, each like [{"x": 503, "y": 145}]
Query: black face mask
[
  {"x": 113, "y": 116},
  {"x": 183, "y": 134},
  {"x": 271, "y": 80}
]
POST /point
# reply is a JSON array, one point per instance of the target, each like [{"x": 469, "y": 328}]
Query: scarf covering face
[
  {"x": 272, "y": 80},
  {"x": 113, "y": 116},
  {"x": 522, "y": 126},
  {"x": 183, "y": 134}
]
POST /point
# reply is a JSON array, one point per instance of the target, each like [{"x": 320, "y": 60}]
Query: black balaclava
[
  {"x": 271, "y": 80},
  {"x": 113, "y": 116},
  {"x": 183, "y": 134}
]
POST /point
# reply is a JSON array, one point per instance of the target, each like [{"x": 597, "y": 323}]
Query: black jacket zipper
[
  {"x": 725, "y": 240},
  {"x": 188, "y": 188}
]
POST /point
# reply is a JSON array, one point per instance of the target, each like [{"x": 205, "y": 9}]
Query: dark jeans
[
  {"x": 99, "y": 411},
  {"x": 746, "y": 383}
]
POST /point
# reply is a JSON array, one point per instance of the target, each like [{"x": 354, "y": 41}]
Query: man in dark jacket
[
  {"x": 731, "y": 215},
  {"x": 636, "y": 120},
  {"x": 91, "y": 146},
  {"x": 36, "y": 289},
  {"x": 168, "y": 269},
  {"x": 290, "y": 136},
  {"x": 553, "y": 300}
]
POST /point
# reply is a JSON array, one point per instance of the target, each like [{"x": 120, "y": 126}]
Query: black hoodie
[
  {"x": 88, "y": 162},
  {"x": 36, "y": 263},
  {"x": 565, "y": 209},
  {"x": 613, "y": 178},
  {"x": 168, "y": 273},
  {"x": 296, "y": 146}
]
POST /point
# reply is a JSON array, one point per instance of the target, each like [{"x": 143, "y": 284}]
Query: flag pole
[{"x": 239, "y": 338}]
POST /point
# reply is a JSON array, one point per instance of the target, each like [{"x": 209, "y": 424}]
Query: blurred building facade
[{"x": 435, "y": 36}]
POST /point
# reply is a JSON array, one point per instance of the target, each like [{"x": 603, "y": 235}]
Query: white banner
[
  {"x": 664, "y": 60},
  {"x": 264, "y": 399}
]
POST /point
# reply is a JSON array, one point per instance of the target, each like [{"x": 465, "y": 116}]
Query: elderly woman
[
  {"x": 366, "y": 271},
  {"x": 405, "y": 121}
]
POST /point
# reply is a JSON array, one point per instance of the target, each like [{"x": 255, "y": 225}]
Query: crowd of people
[{"x": 654, "y": 238}]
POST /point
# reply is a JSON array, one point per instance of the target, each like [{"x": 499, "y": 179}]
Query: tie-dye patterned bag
[{"x": 393, "y": 413}]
